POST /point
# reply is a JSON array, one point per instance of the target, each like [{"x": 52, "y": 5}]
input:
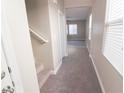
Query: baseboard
[
  {"x": 57, "y": 68},
  {"x": 100, "y": 82}
]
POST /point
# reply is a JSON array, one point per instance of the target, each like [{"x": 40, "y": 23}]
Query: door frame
[{"x": 61, "y": 17}]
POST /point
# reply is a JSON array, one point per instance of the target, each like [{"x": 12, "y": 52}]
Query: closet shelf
[{"x": 37, "y": 36}]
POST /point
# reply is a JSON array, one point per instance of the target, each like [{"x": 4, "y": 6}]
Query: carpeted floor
[
  {"x": 76, "y": 75},
  {"x": 80, "y": 43}
]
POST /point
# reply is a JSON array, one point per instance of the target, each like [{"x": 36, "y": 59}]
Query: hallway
[
  {"x": 76, "y": 74},
  {"x": 62, "y": 46}
]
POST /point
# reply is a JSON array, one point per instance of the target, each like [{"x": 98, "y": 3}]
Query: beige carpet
[{"x": 76, "y": 75}]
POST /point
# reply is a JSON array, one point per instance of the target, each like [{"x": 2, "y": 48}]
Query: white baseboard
[
  {"x": 57, "y": 68},
  {"x": 99, "y": 79}
]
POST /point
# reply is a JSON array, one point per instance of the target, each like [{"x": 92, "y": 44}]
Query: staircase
[
  {"x": 39, "y": 67},
  {"x": 42, "y": 72}
]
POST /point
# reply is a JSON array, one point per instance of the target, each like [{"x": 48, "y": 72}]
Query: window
[
  {"x": 90, "y": 26},
  {"x": 72, "y": 29},
  {"x": 113, "y": 36}
]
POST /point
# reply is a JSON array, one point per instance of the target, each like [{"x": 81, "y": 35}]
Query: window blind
[
  {"x": 114, "y": 9},
  {"x": 113, "y": 36}
]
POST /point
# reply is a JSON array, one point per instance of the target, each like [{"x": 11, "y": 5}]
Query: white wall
[
  {"x": 111, "y": 80},
  {"x": 18, "y": 25},
  {"x": 87, "y": 34},
  {"x": 87, "y": 31}
]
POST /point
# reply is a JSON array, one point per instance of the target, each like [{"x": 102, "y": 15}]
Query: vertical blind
[{"x": 113, "y": 36}]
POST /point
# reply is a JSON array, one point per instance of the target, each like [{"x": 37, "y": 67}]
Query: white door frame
[{"x": 61, "y": 17}]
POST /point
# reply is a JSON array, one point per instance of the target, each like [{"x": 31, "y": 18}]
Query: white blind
[
  {"x": 113, "y": 37},
  {"x": 114, "y": 10}
]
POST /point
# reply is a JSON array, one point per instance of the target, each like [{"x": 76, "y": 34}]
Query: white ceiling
[
  {"x": 77, "y": 13},
  {"x": 77, "y": 3},
  {"x": 77, "y": 9}
]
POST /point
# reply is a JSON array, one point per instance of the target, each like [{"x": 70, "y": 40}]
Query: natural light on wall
[
  {"x": 72, "y": 29},
  {"x": 90, "y": 26},
  {"x": 113, "y": 36}
]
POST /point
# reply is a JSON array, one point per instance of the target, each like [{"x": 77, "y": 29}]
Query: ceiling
[
  {"x": 78, "y": 13},
  {"x": 77, "y": 3},
  {"x": 77, "y": 9}
]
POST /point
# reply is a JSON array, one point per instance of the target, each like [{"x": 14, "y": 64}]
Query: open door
[
  {"x": 7, "y": 85},
  {"x": 10, "y": 77}
]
